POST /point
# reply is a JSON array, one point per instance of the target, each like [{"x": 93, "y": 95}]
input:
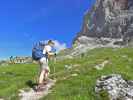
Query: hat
[{"x": 51, "y": 42}]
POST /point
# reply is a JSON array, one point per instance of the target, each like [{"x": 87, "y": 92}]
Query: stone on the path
[
  {"x": 33, "y": 95},
  {"x": 102, "y": 65},
  {"x": 74, "y": 75},
  {"x": 116, "y": 87},
  {"x": 68, "y": 67}
]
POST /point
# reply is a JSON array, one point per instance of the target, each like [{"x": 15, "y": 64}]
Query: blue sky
[{"x": 23, "y": 22}]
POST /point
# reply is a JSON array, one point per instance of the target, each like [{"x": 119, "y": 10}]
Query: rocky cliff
[{"x": 109, "y": 22}]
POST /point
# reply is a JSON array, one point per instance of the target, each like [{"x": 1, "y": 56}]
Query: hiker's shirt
[
  {"x": 47, "y": 48},
  {"x": 44, "y": 61}
]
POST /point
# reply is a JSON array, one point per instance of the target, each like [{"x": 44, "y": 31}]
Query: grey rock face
[
  {"x": 3, "y": 63},
  {"x": 116, "y": 87},
  {"x": 109, "y": 19}
]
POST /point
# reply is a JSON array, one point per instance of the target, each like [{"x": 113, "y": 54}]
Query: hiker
[{"x": 41, "y": 54}]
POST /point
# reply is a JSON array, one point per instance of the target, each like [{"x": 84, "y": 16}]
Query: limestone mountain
[{"x": 109, "y": 22}]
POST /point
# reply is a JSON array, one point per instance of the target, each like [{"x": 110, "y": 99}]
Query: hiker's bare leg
[
  {"x": 41, "y": 77},
  {"x": 46, "y": 74},
  {"x": 44, "y": 68},
  {"x": 42, "y": 63}
]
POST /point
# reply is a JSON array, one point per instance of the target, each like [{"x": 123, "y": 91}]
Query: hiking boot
[
  {"x": 45, "y": 82},
  {"x": 39, "y": 88}
]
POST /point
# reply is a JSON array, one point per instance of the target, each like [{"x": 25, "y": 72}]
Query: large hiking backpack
[{"x": 37, "y": 51}]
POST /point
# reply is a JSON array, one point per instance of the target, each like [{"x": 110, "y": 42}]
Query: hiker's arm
[{"x": 49, "y": 53}]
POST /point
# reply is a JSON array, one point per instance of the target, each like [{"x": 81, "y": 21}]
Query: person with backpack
[{"x": 41, "y": 53}]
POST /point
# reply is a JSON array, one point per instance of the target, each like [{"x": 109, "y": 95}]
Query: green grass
[
  {"x": 82, "y": 86},
  {"x": 79, "y": 87},
  {"x": 14, "y": 77}
]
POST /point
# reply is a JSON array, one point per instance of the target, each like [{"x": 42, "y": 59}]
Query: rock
[
  {"x": 32, "y": 95},
  {"x": 21, "y": 60},
  {"x": 116, "y": 87},
  {"x": 4, "y": 63},
  {"x": 102, "y": 65},
  {"x": 74, "y": 75},
  {"x": 68, "y": 67},
  {"x": 109, "y": 23}
]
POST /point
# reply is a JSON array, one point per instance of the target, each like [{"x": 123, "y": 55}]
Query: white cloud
[{"x": 59, "y": 46}]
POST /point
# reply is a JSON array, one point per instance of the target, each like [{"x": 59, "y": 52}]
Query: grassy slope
[
  {"x": 82, "y": 86},
  {"x": 13, "y": 78},
  {"x": 79, "y": 87}
]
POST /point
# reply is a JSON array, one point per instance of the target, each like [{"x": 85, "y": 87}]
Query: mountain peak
[{"x": 109, "y": 19}]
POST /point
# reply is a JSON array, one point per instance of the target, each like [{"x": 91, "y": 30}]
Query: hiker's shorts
[{"x": 44, "y": 64}]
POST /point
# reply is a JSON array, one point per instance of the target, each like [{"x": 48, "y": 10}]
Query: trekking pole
[{"x": 54, "y": 64}]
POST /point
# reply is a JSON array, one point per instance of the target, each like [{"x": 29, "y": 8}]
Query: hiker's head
[{"x": 51, "y": 43}]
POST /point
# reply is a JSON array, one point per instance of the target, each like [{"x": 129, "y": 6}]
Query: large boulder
[{"x": 116, "y": 87}]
